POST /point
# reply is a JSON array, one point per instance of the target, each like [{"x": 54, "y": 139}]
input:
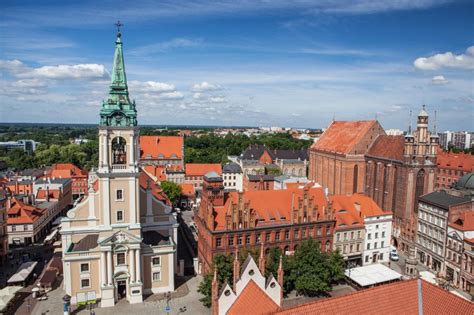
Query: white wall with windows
[{"x": 378, "y": 231}]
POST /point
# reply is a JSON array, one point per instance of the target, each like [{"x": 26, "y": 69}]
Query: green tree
[
  {"x": 224, "y": 266},
  {"x": 309, "y": 270},
  {"x": 172, "y": 190},
  {"x": 336, "y": 266}
]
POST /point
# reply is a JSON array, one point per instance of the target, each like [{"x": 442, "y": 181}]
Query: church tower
[{"x": 120, "y": 241}]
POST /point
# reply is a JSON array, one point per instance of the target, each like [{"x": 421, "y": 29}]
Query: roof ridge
[{"x": 352, "y": 294}]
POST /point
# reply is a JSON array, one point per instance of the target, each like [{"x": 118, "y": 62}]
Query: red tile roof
[
  {"x": 388, "y": 147},
  {"x": 161, "y": 147},
  {"x": 342, "y": 136},
  {"x": 21, "y": 213},
  {"x": 465, "y": 222},
  {"x": 156, "y": 172},
  {"x": 457, "y": 161},
  {"x": 201, "y": 169},
  {"x": 158, "y": 193},
  {"x": 66, "y": 170},
  {"x": 396, "y": 298},
  {"x": 252, "y": 300},
  {"x": 43, "y": 194},
  {"x": 188, "y": 190},
  {"x": 273, "y": 207},
  {"x": 357, "y": 202}
]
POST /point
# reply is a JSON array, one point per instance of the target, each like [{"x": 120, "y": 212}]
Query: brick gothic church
[{"x": 393, "y": 170}]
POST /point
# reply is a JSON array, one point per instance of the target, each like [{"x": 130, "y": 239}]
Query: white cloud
[
  {"x": 12, "y": 66},
  {"x": 198, "y": 96},
  {"x": 151, "y": 86},
  {"x": 59, "y": 72},
  {"x": 175, "y": 95},
  {"x": 217, "y": 99},
  {"x": 205, "y": 86},
  {"x": 29, "y": 83},
  {"x": 447, "y": 60},
  {"x": 439, "y": 80},
  {"x": 79, "y": 71}
]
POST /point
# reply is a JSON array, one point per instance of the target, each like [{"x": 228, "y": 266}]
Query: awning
[
  {"x": 23, "y": 272},
  {"x": 51, "y": 235}
]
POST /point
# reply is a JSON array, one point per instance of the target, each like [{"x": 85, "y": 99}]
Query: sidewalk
[{"x": 185, "y": 296}]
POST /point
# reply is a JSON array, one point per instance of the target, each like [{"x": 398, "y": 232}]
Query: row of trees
[
  {"x": 308, "y": 271},
  {"x": 56, "y": 145},
  {"x": 212, "y": 148}
]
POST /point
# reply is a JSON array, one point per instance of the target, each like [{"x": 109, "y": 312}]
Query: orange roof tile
[
  {"x": 164, "y": 147},
  {"x": 342, "y": 136},
  {"x": 388, "y": 147},
  {"x": 156, "y": 172},
  {"x": 357, "y": 202},
  {"x": 458, "y": 161},
  {"x": 187, "y": 189},
  {"x": 21, "y": 213},
  {"x": 66, "y": 170},
  {"x": 43, "y": 194},
  {"x": 465, "y": 222},
  {"x": 252, "y": 300},
  {"x": 396, "y": 298},
  {"x": 158, "y": 193},
  {"x": 271, "y": 206},
  {"x": 201, "y": 169}
]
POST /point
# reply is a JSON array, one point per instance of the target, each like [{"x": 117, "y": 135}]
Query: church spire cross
[
  {"x": 118, "y": 110},
  {"x": 118, "y": 24}
]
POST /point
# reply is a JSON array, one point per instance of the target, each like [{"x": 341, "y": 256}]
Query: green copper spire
[{"x": 118, "y": 110}]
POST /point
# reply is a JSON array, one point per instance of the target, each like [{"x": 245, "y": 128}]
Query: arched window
[
  {"x": 119, "y": 154},
  {"x": 355, "y": 179},
  {"x": 328, "y": 246},
  {"x": 420, "y": 187},
  {"x": 293, "y": 172}
]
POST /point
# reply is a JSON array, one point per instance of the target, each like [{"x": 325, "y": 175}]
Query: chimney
[
  {"x": 214, "y": 294},
  {"x": 261, "y": 260},
  {"x": 280, "y": 278},
  {"x": 47, "y": 193},
  {"x": 236, "y": 273}
]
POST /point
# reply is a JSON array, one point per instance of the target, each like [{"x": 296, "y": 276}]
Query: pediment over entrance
[{"x": 121, "y": 237}]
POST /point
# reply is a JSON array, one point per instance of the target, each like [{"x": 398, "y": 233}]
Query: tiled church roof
[
  {"x": 342, "y": 136},
  {"x": 388, "y": 147}
]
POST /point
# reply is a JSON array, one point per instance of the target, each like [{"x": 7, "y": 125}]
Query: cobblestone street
[{"x": 186, "y": 296}]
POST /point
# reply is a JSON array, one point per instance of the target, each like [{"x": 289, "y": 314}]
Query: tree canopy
[
  {"x": 308, "y": 271},
  {"x": 172, "y": 190}
]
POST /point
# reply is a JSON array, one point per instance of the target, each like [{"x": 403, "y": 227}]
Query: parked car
[{"x": 394, "y": 256}]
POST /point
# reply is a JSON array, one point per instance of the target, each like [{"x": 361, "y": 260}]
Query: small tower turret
[
  {"x": 214, "y": 294},
  {"x": 261, "y": 259},
  {"x": 280, "y": 277},
  {"x": 236, "y": 274}
]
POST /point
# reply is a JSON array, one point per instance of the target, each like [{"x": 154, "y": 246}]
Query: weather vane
[{"x": 118, "y": 24}]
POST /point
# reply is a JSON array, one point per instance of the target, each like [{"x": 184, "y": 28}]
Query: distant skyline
[{"x": 241, "y": 63}]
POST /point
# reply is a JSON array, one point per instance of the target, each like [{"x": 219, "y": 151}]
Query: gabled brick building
[
  {"x": 358, "y": 156},
  {"x": 276, "y": 218},
  {"x": 337, "y": 160},
  {"x": 77, "y": 175}
]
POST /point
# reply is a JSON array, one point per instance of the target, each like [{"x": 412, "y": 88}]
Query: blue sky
[{"x": 264, "y": 63}]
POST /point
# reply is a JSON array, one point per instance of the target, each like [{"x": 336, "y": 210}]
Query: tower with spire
[{"x": 120, "y": 241}]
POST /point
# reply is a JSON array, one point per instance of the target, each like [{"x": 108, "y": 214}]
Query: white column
[
  {"x": 132, "y": 265},
  {"x": 103, "y": 269},
  {"x": 138, "y": 274},
  {"x": 109, "y": 268}
]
